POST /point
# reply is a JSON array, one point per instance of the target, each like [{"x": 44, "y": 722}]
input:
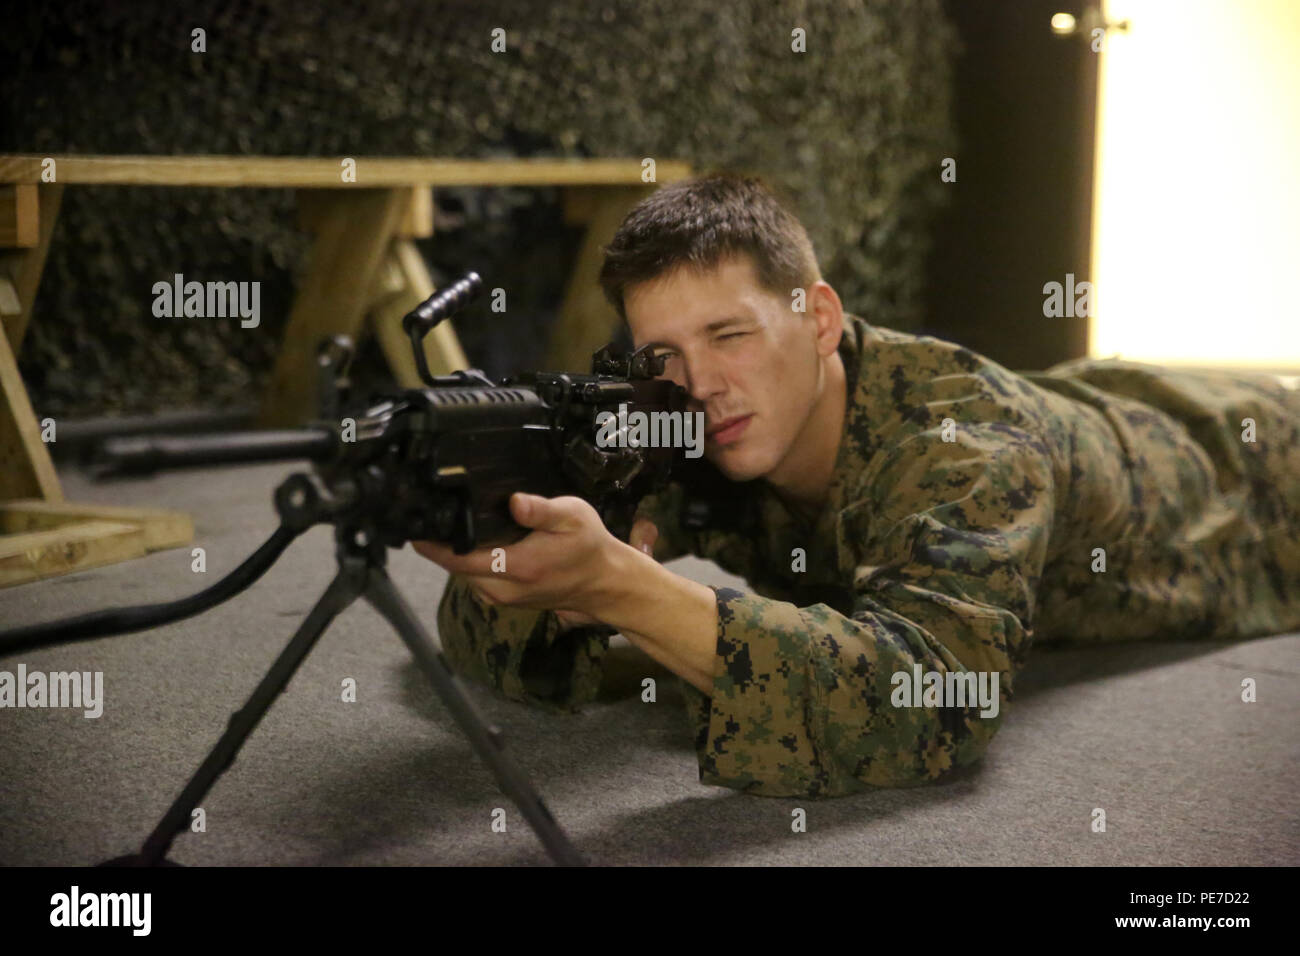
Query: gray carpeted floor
[{"x": 1155, "y": 734}]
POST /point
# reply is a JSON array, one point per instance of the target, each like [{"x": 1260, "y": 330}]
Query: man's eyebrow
[{"x": 711, "y": 327}]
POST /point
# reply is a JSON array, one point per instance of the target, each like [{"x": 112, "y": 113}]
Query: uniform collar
[
  {"x": 829, "y": 526},
  {"x": 850, "y": 460}
]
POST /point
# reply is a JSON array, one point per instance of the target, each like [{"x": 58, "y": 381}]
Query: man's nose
[{"x": 703, "y": 381}]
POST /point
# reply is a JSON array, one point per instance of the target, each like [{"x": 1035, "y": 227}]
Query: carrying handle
[{"x": 442, "y": 305}]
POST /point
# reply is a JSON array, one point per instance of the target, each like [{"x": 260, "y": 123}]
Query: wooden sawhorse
[{"x": 363, "y": 268}]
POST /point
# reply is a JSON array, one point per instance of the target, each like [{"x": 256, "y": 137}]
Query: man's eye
[{"x": 733, "y": 335}]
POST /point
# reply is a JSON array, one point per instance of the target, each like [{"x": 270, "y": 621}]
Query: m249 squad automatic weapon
[{"x": 438, "y": 462}]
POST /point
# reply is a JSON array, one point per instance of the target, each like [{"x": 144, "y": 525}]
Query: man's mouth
[{"x": 728, "y": 430}]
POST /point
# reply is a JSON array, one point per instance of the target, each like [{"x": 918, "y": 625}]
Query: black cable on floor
[{"x": 123, "y": 620}]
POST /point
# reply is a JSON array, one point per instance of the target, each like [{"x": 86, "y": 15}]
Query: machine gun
[
  {"x": 438, "y": 462},
  {"x": 441, "y": 462}
]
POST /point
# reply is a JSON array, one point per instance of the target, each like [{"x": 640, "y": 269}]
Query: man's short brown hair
[{"x": 697, "y": 223}]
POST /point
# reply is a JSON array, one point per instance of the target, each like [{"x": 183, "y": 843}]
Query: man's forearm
[{"x": 671, "y": 618}]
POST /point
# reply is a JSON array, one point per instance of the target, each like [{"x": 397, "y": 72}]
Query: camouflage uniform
[{"x": 956, "y": 548}]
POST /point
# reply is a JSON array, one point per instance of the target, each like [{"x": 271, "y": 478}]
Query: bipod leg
[
  {"x": 486, "y": 740},
  {"x": 342, "y": 591}
]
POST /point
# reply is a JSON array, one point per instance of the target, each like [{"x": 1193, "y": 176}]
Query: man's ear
[{"x": 825, "y": 308}]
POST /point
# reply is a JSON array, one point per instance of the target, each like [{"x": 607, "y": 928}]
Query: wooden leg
[
  {"x": 26, "y": 470},
  {"x": 23, "y": 268},
  {"x": 40, "y": 534},
  {"x": 402, "y": 283},
  {"x": 355, "y": 228},
  {"x": 586, "y": 321}
]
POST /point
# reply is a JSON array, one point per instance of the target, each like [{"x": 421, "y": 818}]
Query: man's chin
[{"x": 734, "y": 466}]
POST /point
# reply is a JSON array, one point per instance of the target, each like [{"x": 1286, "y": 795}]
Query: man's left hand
[{"x": 567, "y": 563}]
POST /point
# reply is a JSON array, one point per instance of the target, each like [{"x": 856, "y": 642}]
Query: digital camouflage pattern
[{"x": 955, "y": 554}]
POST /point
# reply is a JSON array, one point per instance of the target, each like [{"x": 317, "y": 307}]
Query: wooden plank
[
  {"x": 25, "y": 267},
  {"x": 586, "y": 321},
  {"x": 44, "y": 554},
  {"x": 416, "y": 222},
  {"x": 19, "y": 221},
  {"x": 161, "y": 528},
  {"x": 387, "y": 280},
  {"x": 26, "y": 470},
  {"x": 9, "y": 304},
  {"x": 404, "y": 271},
  {"x": 325, "y": 172},
  {"x": 333, "y": 297}
]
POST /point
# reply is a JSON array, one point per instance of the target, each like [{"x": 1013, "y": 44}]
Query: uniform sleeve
[
  {"x": 945, "y": 542},
  {"x": 519, "y": 652}
]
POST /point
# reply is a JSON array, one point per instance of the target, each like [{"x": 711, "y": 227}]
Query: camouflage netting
[{"x": 854, "y": 129}]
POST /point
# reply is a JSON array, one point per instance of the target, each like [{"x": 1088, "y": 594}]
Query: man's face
[{"x": 747, "y": 360}]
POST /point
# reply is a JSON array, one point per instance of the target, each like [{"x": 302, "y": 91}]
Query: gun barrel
[{"x": 144, "y": 454}]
